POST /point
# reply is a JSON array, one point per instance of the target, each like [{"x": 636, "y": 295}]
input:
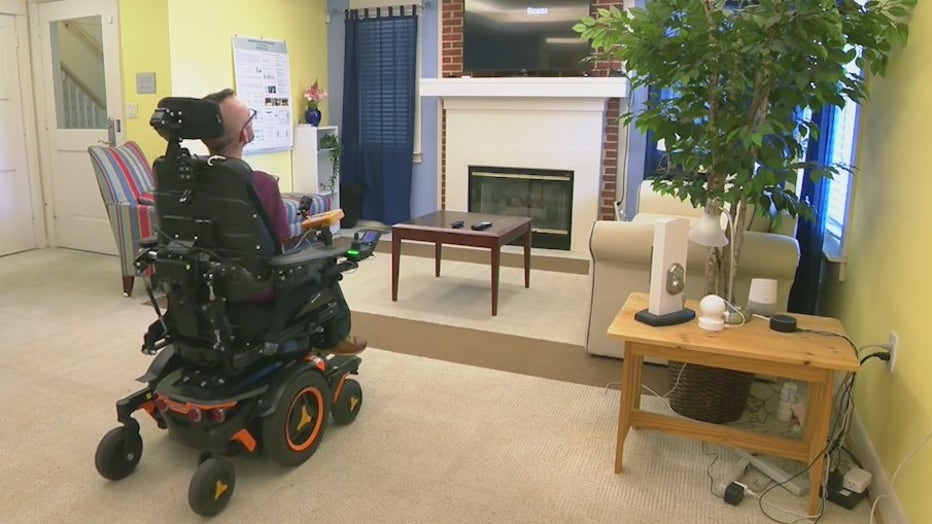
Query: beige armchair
[{"x": 621, "y": 258}]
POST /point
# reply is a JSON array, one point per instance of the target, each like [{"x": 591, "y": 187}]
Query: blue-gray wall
[{"x": 425, "y": 180}]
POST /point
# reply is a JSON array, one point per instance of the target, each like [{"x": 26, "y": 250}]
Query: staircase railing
[{"x": 80, "y": 109}]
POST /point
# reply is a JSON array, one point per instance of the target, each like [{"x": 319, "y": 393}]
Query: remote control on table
[
  {"x": 456, "y": 225},
  {"x": 481, "y": 226}
]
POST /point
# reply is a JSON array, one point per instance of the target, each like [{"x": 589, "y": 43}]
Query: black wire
[
  {"x": 760, "y": 499},
  {"x": 878, "y": 354},
  {"x": 851, "y": 343},
  {"x": 708, "y": 470}
]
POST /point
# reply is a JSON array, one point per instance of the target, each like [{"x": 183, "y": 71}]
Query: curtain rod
[{"x": 426, "y": 4}]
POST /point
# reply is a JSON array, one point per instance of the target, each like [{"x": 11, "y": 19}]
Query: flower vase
[{"x": 312, "y": 116}]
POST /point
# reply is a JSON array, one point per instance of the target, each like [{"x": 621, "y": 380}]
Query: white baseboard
[{"x": 889, "y": 510}]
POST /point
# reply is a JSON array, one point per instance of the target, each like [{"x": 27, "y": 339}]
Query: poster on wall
[{"x": 263, "y": 82}]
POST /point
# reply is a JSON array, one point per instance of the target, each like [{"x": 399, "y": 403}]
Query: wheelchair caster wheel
[
  {"x": 211, "y": 487},
  {"x": 118, "y": 452},
  {"x": 293, "y": 431},
  {"x": 348, "y": 403}
]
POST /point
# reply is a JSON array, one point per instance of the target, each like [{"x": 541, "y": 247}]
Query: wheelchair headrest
[{"x": 179, "y": 118}]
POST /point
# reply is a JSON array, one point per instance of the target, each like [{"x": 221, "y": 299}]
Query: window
[{"x": 842, "y": 136}]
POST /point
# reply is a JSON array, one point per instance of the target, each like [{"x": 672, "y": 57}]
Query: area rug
[
  {"x": 435, "y": 442},
  {"x": 554, "y": 308}
]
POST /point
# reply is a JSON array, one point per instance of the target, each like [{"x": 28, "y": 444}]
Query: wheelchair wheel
[
  {"x": 211, "y": 486},
  {"x": 293, "y": 431},
  {"x": 347, "y": 405},
  {"x": 118, "y": 453}
]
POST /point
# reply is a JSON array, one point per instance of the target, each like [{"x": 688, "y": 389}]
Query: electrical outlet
[{"x": 894, "y": 342}]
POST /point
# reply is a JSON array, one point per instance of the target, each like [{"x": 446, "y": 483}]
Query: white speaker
[
  {"x": 762, "y": 298},
  {"x": 668, "y": 274}
]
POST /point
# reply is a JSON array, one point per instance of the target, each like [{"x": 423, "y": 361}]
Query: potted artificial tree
[{"x": 740, "y": 83}]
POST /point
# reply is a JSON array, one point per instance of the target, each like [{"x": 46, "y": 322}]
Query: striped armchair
[
  {"x": 125, "y": 179},
  {"x": 319, "y": 204}
]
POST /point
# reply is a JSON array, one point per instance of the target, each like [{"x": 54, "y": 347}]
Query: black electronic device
[
  {"x": 524, "y": 38},
  {"x": 783, "y": 324},
  {"x": 457, "y": 225},
  {"x": 481, "y": 226},
  {"x": 364, "y": 242},
  {"x": 837, "y": 493}
]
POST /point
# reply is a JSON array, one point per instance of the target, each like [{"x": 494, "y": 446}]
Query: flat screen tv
[{"x": 524, "y": 37}]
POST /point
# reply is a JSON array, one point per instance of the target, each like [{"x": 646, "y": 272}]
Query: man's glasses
[{"x": 252, "y": 114}]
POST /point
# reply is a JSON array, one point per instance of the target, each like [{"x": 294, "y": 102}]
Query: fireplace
[
  {"x": 543, "y": 195},
  {"x": 557, "y": 123}
]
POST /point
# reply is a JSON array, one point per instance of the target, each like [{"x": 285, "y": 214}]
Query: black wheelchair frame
[{"x": 213, "y": 384}]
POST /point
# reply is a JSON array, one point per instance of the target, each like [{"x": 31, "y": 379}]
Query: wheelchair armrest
[
  {"x": 305, "y": 256},
  {"x": 322, "y": 220}
]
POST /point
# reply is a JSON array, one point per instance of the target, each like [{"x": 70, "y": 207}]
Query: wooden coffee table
[{"x": 436, "y": 227}]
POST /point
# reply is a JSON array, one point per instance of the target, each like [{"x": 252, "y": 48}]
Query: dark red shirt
[{"x": 271, "y": 197}]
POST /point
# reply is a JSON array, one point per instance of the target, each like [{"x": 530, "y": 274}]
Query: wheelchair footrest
[{"x": 339, "y": 365}]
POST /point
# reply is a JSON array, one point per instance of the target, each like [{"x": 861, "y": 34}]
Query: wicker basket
[{"x": 709, "y": 394}]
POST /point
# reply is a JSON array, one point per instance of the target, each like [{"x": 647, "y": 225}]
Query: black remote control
[
  {"x": 456, "y": 225},
  {"x": 481, "y": 226}
]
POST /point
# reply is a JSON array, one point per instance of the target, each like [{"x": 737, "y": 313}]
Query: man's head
[{"x": 237, "y": 125}]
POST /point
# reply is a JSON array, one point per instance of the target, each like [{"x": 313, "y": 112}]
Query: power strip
[{"x": 798, "y": 486}]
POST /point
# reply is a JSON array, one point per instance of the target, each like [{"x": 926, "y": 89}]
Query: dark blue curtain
[
  {"x": 378, "y": 112},
  {"x": 804, "y": 295}
]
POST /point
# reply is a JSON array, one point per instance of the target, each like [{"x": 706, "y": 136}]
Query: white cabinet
[{"x": 311, "y": 166}]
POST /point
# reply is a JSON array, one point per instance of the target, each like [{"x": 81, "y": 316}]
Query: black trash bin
[{"x": 351, "y": 202}]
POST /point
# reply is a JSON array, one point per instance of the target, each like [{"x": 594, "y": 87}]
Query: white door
[
  {"x": 78, "y": 41},
  {"x": 17, "y": 231}
]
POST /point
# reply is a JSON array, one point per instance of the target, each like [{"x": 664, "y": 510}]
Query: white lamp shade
[{"x": 708, "y": 231}]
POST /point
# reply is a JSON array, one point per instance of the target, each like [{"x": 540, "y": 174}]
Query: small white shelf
[{"x": 311, "y": 166}]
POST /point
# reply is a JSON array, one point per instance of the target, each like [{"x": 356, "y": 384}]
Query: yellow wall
[
  {"x": 887, "y": 286},
  {"x": 144, "y": 49},
  {"x": 201, "y": 35}
]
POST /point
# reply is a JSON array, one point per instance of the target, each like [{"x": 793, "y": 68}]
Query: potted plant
[
  {"x": 313, "y": 96},
  {"x": 332, "y": 144},
  {"x": 734, "y": 87},
  {"x": 738, "y": 77}
]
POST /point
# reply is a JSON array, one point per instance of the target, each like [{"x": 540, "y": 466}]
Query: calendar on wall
[{"x": 263, "y": 82}]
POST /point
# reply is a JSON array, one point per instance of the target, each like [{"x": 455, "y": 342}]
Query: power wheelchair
[{"x": 237, "y": 362}]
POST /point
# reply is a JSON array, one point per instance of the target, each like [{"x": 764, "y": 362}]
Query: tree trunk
[{"x": 714, "y": 281}]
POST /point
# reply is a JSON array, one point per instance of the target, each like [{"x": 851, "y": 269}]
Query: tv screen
[{"x": 524, "y": 36}]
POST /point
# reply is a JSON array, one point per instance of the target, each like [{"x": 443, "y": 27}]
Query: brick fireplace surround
[{"x": 451, "y": 54}]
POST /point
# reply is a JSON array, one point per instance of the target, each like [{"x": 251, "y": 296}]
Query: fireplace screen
[{"x": 544, "y": 195}]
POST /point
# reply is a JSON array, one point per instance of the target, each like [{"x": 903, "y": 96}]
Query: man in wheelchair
[
  {"x": 237, "y": 132},
  {"x": 253, "y": 352}
]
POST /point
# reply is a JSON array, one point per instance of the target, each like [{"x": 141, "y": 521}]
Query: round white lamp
[{"x": 711, "y": 308}]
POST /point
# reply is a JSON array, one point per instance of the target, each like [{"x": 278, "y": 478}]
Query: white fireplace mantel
[{"x": 525, "y": 87}]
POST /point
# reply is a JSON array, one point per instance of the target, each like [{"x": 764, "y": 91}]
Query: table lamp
[{"x": 710, "y": 233}]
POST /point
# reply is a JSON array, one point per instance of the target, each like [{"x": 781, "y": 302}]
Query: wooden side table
[{"x": 753, "y": 348}]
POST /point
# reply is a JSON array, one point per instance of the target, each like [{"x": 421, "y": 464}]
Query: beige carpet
[
  {"x": 436, "y": 441},
  {"x": 554, "y": 308}
]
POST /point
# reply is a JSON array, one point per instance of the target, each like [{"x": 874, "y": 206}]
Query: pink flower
[{"x": 314, "y": 95}]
